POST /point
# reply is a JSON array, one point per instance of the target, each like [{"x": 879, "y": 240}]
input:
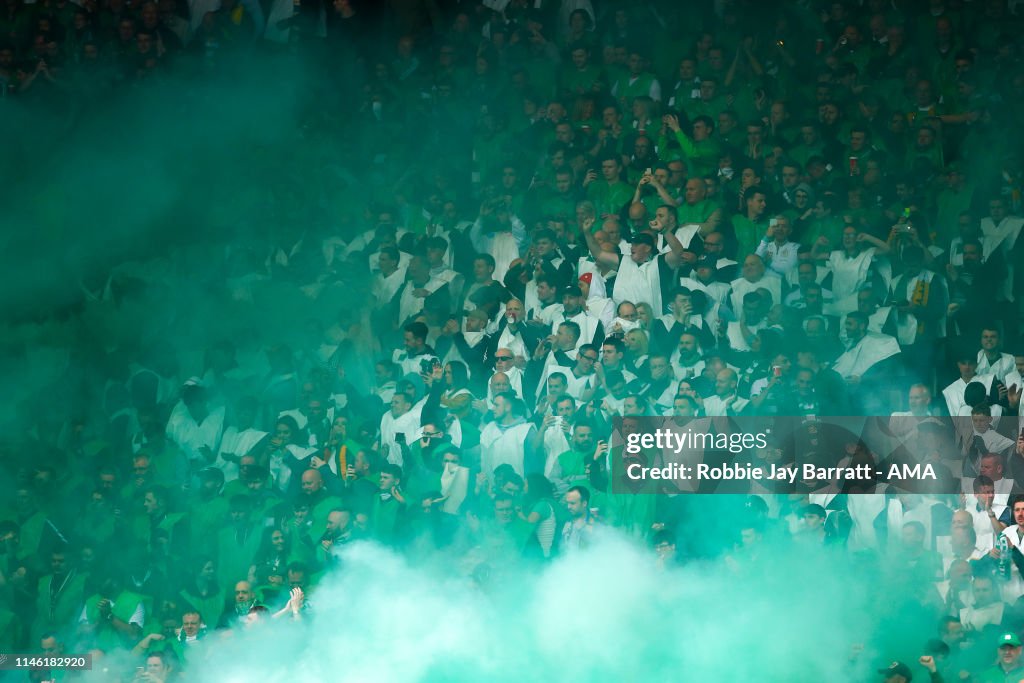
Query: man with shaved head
[
  {"x": 755, "y": 276},
  {"x": 725, "y": 400},
  {"x": 319, "y": 500}
]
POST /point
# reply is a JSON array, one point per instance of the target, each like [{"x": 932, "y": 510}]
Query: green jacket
[
  {"x": 627, "y": 89},
  {"x": 234, "y": 558},
  {"x": 210, "y": 608},
  {"x": 997, "y": 675},
  {"x": 106, "y": 637},
  {"x": 701, "y": 157},
  {"x": 385, "y": 517},
  {"x": 748, "y": 235},
  {"x": 61, "y": 614}
]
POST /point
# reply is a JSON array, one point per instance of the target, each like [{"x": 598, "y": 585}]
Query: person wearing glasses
[{"x": 581, "y": 380}]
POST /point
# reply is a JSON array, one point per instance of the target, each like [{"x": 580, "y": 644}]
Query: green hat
[{"x": 1009, "y": 638}]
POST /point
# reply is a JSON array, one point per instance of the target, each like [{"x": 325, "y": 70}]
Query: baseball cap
[
  {"x": 644, "y": 238},
  {"x": 1009, "y": 638},
  {"x": 706, "y": 262},
  {"x": 897, "y": 669},
  {"x": 572, "y": 290}
]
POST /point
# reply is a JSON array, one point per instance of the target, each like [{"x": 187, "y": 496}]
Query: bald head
[
  {"x": 753, "y": 268},
  {"x": 962, "y": 519},
  {"x": 243, "y": 592},
  {"x": 499, "y": 383},
  {"x": 312, "y": 481},
  {"x": 725, "y": 382}
]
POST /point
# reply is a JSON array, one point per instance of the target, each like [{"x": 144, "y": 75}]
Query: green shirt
[
  {"x": 701, "y": 157},
  {"x": 627, "y": 87},
  {"x": 748, "y": 235},
  {"x": 573, "y": 466},
  {"x": 319, "y": 513},
  {"x": 830, "y": 227},
  {"x": 558, "y": 205},
  {"x": 210, "y": 608},
  {"x": 696, "y": 214},
  {"x": 577, "y": 82},
  {"x": 206, "y": 519},
  {"x": 234, "y": 556},
  {"x": 997, "y": 675},
  {"x": 950, "y": 204},
  {"x": 609, "y": 198},
  {"x": 384, "y": 515},
  {"x": 710, "y": 108},
  {"x": 801, "y": 153}
]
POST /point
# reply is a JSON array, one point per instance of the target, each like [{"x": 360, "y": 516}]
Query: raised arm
[
  {"x": 663, "y": 193},
  {"x": 883, "y": 247},
  {"x": 599, "y": 255},
  {"x": 673, "y": 258},
  {"x": 711, "y": 224}
]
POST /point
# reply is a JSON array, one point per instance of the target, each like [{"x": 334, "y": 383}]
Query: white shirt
[
  {"x": 848, "y": 274},
  {"x": 391, "y": 426},
  {"x": 954, "y": 393},
  {"x": 1001, "y": 237},
  {"x": 742, "y": 286},
  {"x": 714, "y": 406},
  {"x": 995, "y": 443},
  {"x": 575, "y": 386},
  {"x": 1003, "y": 365},
  {"x": 588, "y": 323},
  {"x": 639, "y": 283},
  {"x": 977, "y": 618},
  {"x": 385, "y": 288},
  {"x": 781, "y": 258},
  {"x": 870, "y": 350},
  {"x": 876, "y": 322},
  {"x": 503, "y": 447},
  {"x": 983, "y": 524},
  {"x": 237, "y": 443},
  {"x": 410, "y": 304},
  {"x": 736, "y": 339},
  {"x": 190, "y": 437}
]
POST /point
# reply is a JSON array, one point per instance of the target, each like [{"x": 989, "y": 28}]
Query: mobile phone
[{"x": 777, "y": 371}]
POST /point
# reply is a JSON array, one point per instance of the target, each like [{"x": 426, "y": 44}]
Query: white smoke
[{"x": 605, "y": 614}]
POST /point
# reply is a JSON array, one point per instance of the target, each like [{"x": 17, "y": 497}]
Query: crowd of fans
[{"x": 589, "y": 211}]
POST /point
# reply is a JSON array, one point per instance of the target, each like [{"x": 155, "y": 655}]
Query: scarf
[{"x": 920, "y": 297}]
